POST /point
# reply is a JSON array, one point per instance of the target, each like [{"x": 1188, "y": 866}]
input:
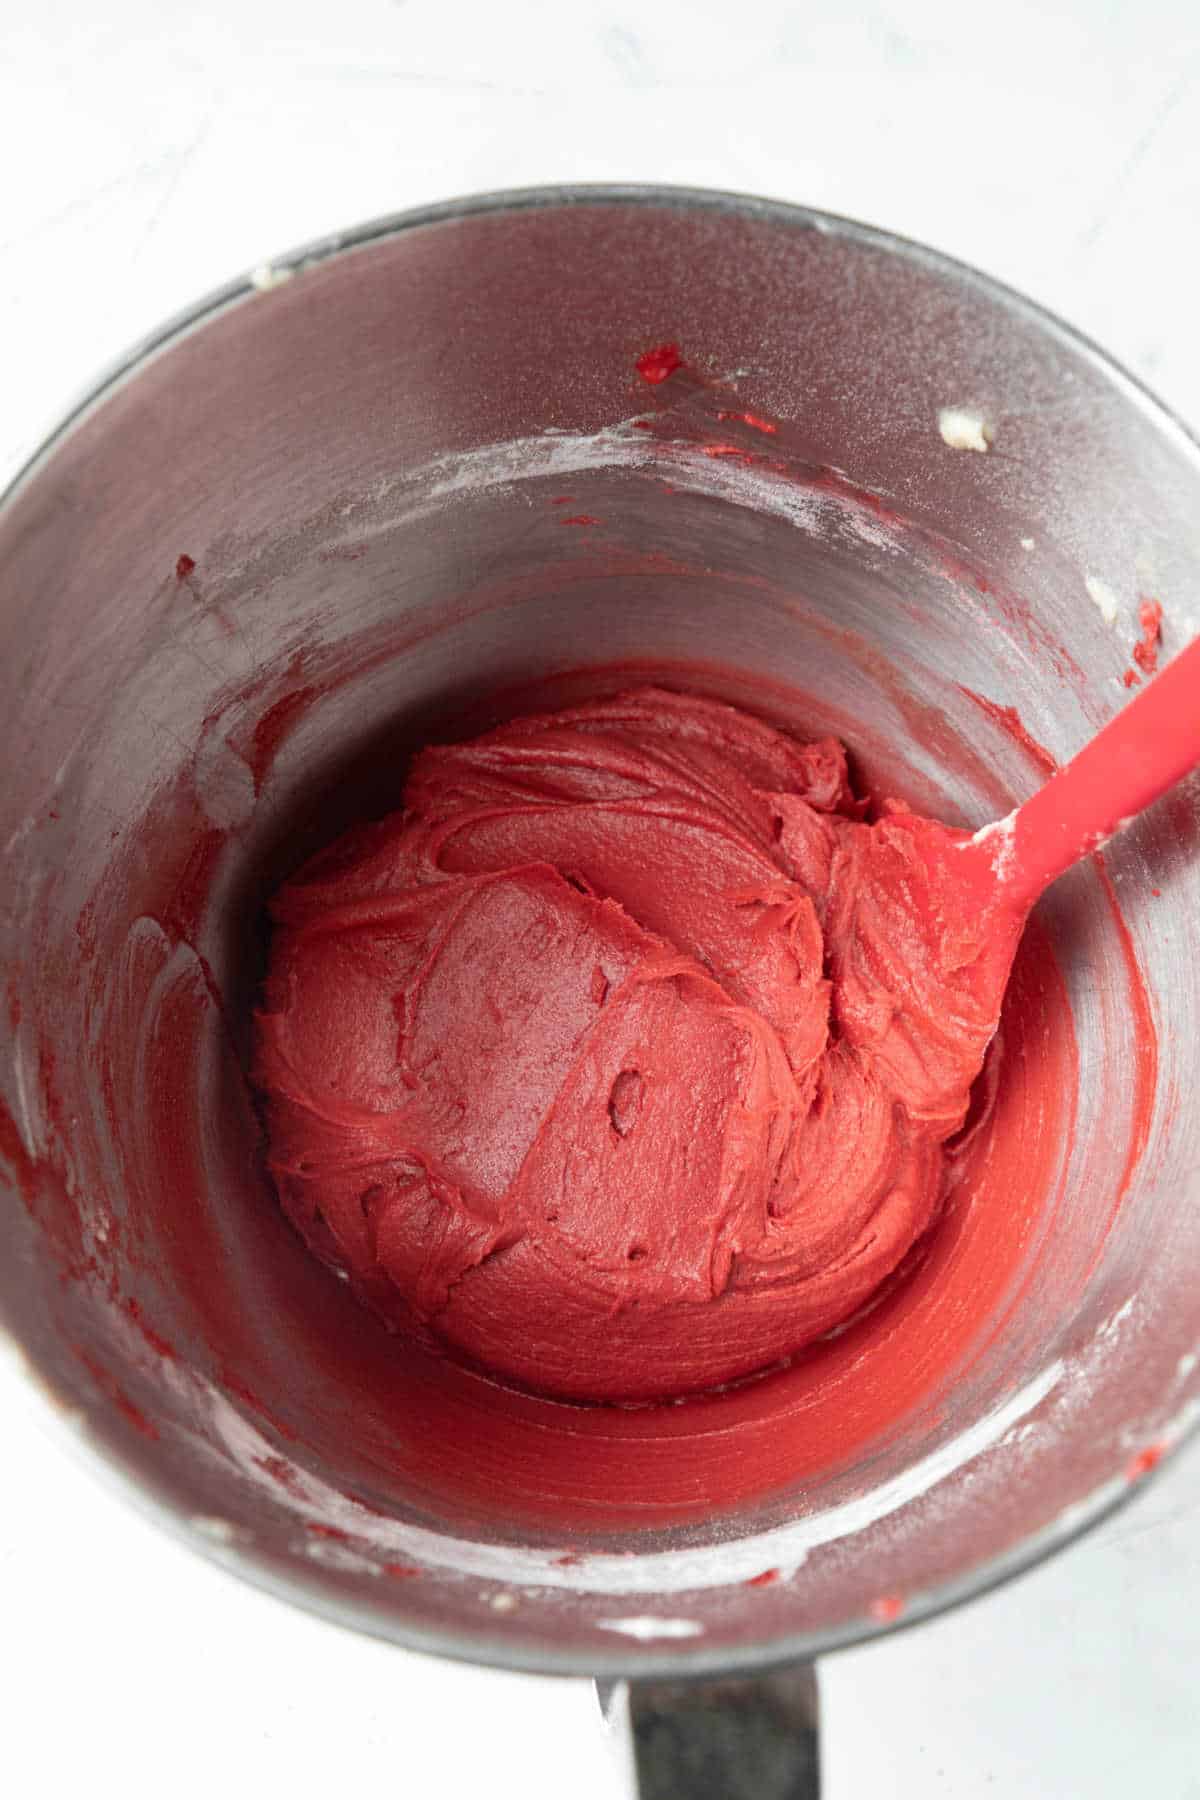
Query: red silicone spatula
[{"x": 1152, "y": 742}]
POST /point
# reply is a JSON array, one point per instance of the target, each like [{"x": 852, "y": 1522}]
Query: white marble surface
[{"x": 152, "y": 149}]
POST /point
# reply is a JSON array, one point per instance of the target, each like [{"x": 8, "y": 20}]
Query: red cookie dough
[{"x": 622, "y": 1059}]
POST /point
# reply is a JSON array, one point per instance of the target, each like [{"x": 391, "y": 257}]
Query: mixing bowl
[{"x": 394, "y": 486}]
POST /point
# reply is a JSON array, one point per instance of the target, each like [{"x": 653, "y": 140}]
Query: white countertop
[{"x": 151, "y": 151}]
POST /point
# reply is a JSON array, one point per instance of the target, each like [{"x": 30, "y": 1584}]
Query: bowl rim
[{"x": 98, "y": 1451}]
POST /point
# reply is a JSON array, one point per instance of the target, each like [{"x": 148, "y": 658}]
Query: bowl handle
[{"x": 735, "y": 1738}]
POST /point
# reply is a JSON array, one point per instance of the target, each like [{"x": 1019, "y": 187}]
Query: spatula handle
[{"x": 1144, "y": 750}]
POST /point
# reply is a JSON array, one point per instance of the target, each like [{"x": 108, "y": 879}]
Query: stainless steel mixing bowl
[{"x": 314, "y": 520}]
